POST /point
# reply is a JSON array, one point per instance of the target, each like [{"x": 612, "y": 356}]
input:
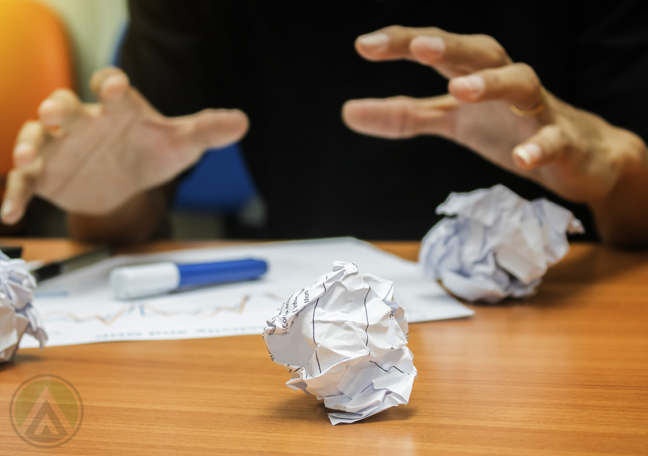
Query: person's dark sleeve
[
  {"x": 610, "y": 58},
  {"x": 165, "y": 54}
]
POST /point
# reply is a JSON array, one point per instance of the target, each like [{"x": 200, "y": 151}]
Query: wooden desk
[{"x": 565, "y": 372}]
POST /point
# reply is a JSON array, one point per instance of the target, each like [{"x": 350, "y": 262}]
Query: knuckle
[
  {"x": 529, "y": 74},
  {"x": 62, "y": 92},
  {"x": 524, "y": 68},
  {"x": 496, "y": 51},
  {"x": 500, "y": 56},
  {"x": 564, "y": 137},
  {"x": 487, "y": 39},
  {"x": 398, "y": 32},
  {"x": 394, "y": 28},
  {"x": 392, "y": 31},
  {"x": 48, "y": 105},
  {"x": 527, "y": 81},
  {"x": 99, "y": 76},
  {"x": 434, "y": 31},
  {"x": 121, "y": 75},
  {"x": 408, "y": 118},
  {"x": 494, "y": 80},
  {"x": 65, "y": 95},
  {"x": 212, "y": 113}
]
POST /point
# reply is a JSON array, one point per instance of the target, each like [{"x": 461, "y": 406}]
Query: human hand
[
  {"x": 574, "y": 153},
  {"x": 92, "y": 158}
]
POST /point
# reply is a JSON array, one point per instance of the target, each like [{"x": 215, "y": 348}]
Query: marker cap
[{"x": 146, "y": 280}]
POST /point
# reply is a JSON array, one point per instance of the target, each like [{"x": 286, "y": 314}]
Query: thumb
[
  {"x": 212, "y": 128},
  {"x": 551, "y": 143}
]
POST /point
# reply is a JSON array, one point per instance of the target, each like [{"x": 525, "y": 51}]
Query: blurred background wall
[{"x": 94, "y": 26}]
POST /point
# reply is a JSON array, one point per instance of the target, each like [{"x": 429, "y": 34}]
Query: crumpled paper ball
[
  {"x": 495, "y": 244},
  {"x": 17, "y": 314},
  {"x": 344, "y": 340}
]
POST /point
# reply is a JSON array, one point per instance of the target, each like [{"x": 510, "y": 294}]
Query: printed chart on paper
[{"x": 79, "y": 308}]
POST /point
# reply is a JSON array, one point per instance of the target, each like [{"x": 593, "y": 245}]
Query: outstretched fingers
[
  {"x": 451, "y": 54},
  {"x": 516, "y": 84}
]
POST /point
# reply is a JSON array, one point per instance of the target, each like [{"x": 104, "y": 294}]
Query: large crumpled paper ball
[
  {"x": 17, "y": 314},
  {"x": 495, "y": 244},
  {"x": 344, "y": 340}
]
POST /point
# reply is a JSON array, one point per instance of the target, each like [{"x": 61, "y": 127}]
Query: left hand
[{"x": 572, "y": 152}]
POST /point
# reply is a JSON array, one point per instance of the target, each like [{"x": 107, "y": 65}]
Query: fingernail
[
  {"x": 23, "y": 154},
  {"x": 115, "y": 79},
  {"x": 7, "y": 212},
  {"x": 473, "y": 83},
  {"x": 528, "y": 153},
  {"x": 376, "y": 41},
  {"x": 433, "y": 43},
  {"x": 112, "y": 88},
  {"x": 48, "y": 104},
  {"x": 49, "y": 110}
]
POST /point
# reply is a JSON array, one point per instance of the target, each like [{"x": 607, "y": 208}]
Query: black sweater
[{"x": 291, "y": 65}]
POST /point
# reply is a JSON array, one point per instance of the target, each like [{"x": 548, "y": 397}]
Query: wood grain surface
[
  {"x": 47, "y": 250},
  {"x": 562, "y": 373}
]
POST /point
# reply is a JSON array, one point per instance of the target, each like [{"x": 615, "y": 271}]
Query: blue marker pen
[{"x": 153, "y": 279}]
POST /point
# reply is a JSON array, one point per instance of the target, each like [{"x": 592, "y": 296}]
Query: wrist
[
  {"x": 140, "y": 219},
  {"x": 622, "y": 213}
]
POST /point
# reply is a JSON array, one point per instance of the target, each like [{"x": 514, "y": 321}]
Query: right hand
[
  {"x": 573, "y": 153},
  {"x": 92, "y": 158}
]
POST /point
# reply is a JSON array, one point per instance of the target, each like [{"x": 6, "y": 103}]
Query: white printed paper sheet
[{"x": 79, "y": 307}]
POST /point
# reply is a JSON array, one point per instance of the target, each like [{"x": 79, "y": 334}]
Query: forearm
[
  {"x": 622, "y": 215},
  {"x": 142, "y": 218}
]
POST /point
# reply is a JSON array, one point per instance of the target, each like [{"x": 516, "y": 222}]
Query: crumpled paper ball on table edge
[
  {"x": 495, "y": 244},
  {"x": 344, "y": 340},
  {"x": 17, "y": 314}
]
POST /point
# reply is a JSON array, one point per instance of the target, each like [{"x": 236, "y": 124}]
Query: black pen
[
  {"x": 57, "y": 268},
  {"x": 12, "y": 251}
]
